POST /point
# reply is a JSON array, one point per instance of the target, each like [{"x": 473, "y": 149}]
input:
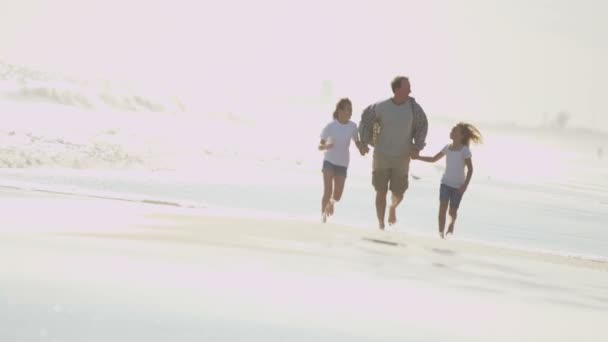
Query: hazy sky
[{"x": 496, "y": 60}]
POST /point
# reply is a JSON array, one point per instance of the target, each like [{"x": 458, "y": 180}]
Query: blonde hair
[
  {"x": 341, "y": 104},
  {"x": 469, "y": 133}
]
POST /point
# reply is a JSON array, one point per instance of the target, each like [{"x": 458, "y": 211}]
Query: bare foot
[
  {"x": 326, "y": 213},
  {"x": 451, "y": 229},
  {"x": 441, "y": 234},
  {"x": 392, "y": 215},
  {"x": 381, "y": 225},
  {"x": 330, "y": 209}
]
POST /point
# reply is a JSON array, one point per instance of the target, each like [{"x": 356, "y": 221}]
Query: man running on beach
[{"x": 400, "y": 120}]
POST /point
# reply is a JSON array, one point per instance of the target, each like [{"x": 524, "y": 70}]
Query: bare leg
[
  {"x": 443, "y": 207},
  {"x": 380, "y": 207},
  {"x": 392, "y": 211},
  {"x": 337, "y": 194},
  {"x": 327, "y": 191},
  {"x": 453, "y": 215}
]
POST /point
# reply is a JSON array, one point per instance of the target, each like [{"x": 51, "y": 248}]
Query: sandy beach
[{"x": 78, "y": 269}]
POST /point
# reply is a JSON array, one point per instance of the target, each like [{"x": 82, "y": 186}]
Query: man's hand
[
  {"x": 363, "y": 149},
  {"x": 462, "y": 189}
]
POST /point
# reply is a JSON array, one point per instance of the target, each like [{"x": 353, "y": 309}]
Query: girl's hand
[
  {"x": 325, "y": 146},
  {"x": 462, "y": 189}
]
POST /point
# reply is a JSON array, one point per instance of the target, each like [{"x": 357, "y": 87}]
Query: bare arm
[
  {"x": 432, "y": 159},
  {"x": 469, "y": 165},
  {"x": 324, "y": 146},
  {"x": 325, "y": 135},
  {"x": 355, "y": 138}
]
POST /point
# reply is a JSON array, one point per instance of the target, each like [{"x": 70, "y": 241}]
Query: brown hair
[
  {"x": 396, "y": 83},
  {"x": 341, "y": 104},
  {"x": 469, "y": 133}
]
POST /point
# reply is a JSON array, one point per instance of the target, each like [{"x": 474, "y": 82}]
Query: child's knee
[{"x": 337, "y": 197}]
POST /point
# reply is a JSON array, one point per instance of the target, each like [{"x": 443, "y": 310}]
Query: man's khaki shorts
[{"x": 391, "y": 173}]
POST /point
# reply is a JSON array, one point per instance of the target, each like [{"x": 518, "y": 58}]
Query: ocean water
[{"x": 536, "y": 188}]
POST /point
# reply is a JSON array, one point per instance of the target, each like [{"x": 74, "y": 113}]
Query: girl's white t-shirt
[
  {"x": 454, "y": 166},
  {"x": 339, "y": 135}
]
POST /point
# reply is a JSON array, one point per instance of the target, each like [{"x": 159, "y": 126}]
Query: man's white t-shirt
[
  {"x": 339, "y": 135},
  {"x": 454, "y": 166}
]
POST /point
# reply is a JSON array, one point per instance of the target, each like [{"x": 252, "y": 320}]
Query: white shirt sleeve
[
  {"x": 466, "y": 153},
  {"x": 355, "y": 132},
  {"x": 445, "y": 149}
]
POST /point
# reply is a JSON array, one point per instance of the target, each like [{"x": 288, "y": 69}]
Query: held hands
[
  {"x": 415, "y": 154},
  {"x": 363, "y": 148}
]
